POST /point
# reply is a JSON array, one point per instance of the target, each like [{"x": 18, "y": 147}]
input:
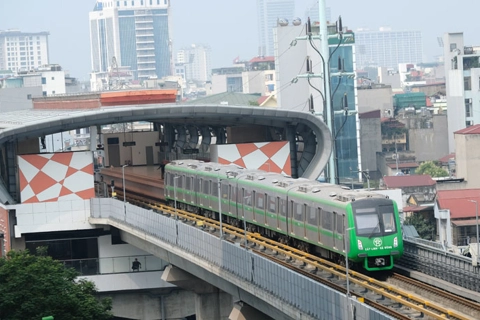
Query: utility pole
[{"x": 325, "y": 51}]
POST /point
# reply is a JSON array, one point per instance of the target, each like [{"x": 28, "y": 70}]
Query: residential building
[
  {"x": 388, "y": 48},
  {"x": 373, "y": 97},
  {"x": 257, "y": 76},
  {"x": 417, "y": 190},
  {"x": 22, "y": 51},
  {"x": 268, "y": 14},
  {"x": 455, "y": 211},
  {"x": 462, "y": 72},
  {"x": 371, "y": 141},
  {"x": 196, "y": 61},
  {"x": 467, "y": 155},
  {"x": 293, "y": 93},
  {"x": 136, "y": 33}
]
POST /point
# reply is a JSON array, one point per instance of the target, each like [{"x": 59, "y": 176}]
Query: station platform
[{"x": 142, "y": 180}]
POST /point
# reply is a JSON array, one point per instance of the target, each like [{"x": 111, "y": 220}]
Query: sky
[{"x": 230, "y": 26}]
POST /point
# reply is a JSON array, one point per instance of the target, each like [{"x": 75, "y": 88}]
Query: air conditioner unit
[{"x": 394, "y": 156}]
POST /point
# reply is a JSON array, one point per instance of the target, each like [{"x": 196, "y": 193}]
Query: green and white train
[{"x": 319, "y": 218}]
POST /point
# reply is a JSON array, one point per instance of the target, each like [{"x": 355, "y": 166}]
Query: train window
[
  {"x": 247, "y": 197},
  {"x": 327, "y": 222},
  {"x": 224, "y": 191},
  {"x": 339, "y": 224},
  {"x": 205, "y": 187},
  {"x": 283, "y": 208},
  {"x": 180, "y": 181},
  {"x": 215, "y": 189},
  {"x": 298, "y": 212},
  {"x": 312, "y": 216},
  {"x": 196, "y": 183},
  {"x": 272, "y": 206},
  {"x": 260, "y": 204},
  {"x": 367, "y": 221},
  {"x": 233, "y": 193},
  {"x": 388, "y": 218}
]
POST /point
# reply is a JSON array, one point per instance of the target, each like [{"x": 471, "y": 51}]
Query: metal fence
[{"x": 272, "y": 283}]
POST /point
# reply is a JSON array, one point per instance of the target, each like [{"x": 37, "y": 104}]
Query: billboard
[
  {"x": 56, "y": 176},
  {"x": 267, "y": 156}
]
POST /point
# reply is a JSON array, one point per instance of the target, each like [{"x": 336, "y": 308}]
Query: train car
[{"x": 328, "y": 220}]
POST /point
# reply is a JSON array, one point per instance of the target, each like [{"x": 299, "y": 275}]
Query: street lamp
[
  {"x": 123, "y": 182},
  {"x": 175, "y": 195},
  {"x": 347, "y": 295},
  {"x": 220, "y": 205},
  {"x": 478, "y": 242}
]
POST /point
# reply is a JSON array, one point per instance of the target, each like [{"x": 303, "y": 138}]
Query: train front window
[
  {"x": 388, "y": 218},
  {"x": 367, "y": 221}
]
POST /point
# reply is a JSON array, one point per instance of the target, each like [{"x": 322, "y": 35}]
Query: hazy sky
[{"x": 230, "y": 26}]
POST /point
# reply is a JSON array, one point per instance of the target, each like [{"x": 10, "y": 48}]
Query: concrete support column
[
  {"x": 242, "y": 311},
  {"x": 213, "y": 306},
  {"x": 93, "y": 138},
  {"x": 210, "y": 302}
]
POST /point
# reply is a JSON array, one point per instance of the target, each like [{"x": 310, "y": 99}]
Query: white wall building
[
  {"x": 196, "y": 61},
  {"x": 387, "y": 48},
  {"x": 269, "y": 11},
  {"x": 462, "y": 73},
  {"x": 136, "y": 33},
  {"x": 23, "y": 50}
]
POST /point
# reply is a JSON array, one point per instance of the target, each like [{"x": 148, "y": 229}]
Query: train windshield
[
  {"x": 367, "y": 221},
  {"x": 371, "y": 222}
]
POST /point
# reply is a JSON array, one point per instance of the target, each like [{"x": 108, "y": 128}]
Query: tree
[
  {"x": 425, "y": 228},
  {"x": 430, "y": 168},
  {"x": 35, "y": 286}
]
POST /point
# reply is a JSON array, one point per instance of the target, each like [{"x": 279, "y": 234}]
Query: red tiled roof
[
  {"x": 409, "y": 181},
  {"x": 457, "y": 201},
  {"x": 263, "y": 59},
  {"x": 416, "y": 208},
  {"x": 375, "y": 114},
  {"x": 262, "y": 99},
  {"x": 447, "y": 158},
  {"x": 469, "y": 130},
  {"x": 403, "y": 165}
]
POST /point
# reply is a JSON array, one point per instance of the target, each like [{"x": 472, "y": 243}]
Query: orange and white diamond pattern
[
  {"x": 56, "y": 177},
  {"x": 267, "y": 156}
]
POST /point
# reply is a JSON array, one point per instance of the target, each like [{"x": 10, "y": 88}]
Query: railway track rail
[{"x": 388, "y": 298}]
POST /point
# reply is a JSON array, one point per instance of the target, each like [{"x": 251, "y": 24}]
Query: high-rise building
[
  {"x": 197, "y": 62},
  {"x": 269, "y": 11},
  {"x": 23, "y": 51},
  {"x": 462, "y": 74},
  {"x": 387, "y": 48},
  {"x": 293, "y": 92},
  {"x": 136, "y": 33},
  {"x": 313, "y": 12}
]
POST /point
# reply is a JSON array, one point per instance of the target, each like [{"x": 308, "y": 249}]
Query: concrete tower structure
[
  {"x": 23, "y": 51},
  {"x": 136, "y": 33},
  {"x": 462, "y": 74},
  {"x": 269, "y": 11},
  {"x": 388, "y": 48}
]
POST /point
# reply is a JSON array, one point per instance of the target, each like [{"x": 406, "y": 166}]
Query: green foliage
[
  {"x": 253, "y": 103},
  {"x": 430, "y": 168},
  {"x": 35, "y": 286},
  {"x": 425, "y": 228}
]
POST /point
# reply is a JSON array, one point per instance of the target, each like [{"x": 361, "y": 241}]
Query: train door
[
  {"x": 188, "y": 189},
  {"x": 271, "y": 211},
  {"x": 224, "y": 197},
  {"x": 201, "y": 195},
  {"x": 247, "y": 205},
  {"x": 327, "y": 225},
  {"x": 319, "y": 226},
  {"x": 282, "y": 215},
  {"x": 311, "y": 223},
  {"x": 338, "y": 231},
  {"x": 259, "y": 211},
  {"x": 298, "y": 220},
  {"x": 232, "y": 196}
]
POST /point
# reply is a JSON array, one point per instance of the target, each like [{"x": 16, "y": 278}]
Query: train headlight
[
  {"x": 395, "y": 242},
  {"x": 359, "y": 245}
]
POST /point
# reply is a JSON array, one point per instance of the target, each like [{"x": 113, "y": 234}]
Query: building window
[
  {"x": 44, "y": 93},
  {"x": 468, "y": 123},
  {"x": 44, "y": 80},
  {"x": 29, "y": 96},
  {"x": 53, "y": 78},
  {"x": 453, "y": 46},
  {"x": 467, "y": 83},
  {"x": 468, "y": 108}
]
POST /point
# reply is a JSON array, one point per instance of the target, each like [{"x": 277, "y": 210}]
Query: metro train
[{"x": 327, "y": 220}]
